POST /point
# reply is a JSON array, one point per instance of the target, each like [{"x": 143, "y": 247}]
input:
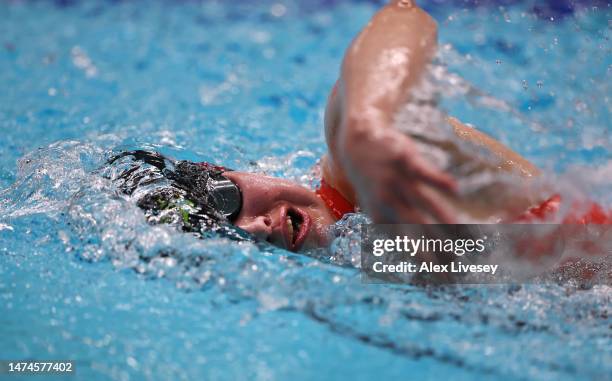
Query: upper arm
[
  {"x": 380, "y": 66},
  {"x": 386, "y": 59},
  {"x": 382, "y": 63},
  {"x": 330, "y": 168}
]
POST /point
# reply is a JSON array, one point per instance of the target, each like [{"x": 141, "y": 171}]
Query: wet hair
[{"x": 172, "y": 192}]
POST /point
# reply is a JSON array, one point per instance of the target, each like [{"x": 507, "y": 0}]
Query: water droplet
[
  {"x": 278, "y": 10},
  {"x": 260, "y": 36},
  {"x": 6, "y": 227},
  {"x": 132, "y": 362},
  {"x": 580, "y": 106}
]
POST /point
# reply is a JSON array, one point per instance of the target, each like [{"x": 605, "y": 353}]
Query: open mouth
[{"x": 295, "y": 228}]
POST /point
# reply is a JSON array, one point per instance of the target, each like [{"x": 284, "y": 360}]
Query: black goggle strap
[{"x": 153, "y": 158}]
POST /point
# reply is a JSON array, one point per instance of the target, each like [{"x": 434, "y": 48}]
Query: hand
[{"x": 394, "y": 184}]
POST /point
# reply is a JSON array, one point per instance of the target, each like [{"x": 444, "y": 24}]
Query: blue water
[{"x": 245, "y": 84}]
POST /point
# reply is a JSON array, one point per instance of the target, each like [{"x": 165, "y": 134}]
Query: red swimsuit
[{"x": 337, "y": 204}]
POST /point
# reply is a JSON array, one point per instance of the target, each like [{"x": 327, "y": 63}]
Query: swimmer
[{"x": 370, "y": 166}]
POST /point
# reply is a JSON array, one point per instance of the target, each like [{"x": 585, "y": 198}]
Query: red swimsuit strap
[{"x": 337, "y": 204}]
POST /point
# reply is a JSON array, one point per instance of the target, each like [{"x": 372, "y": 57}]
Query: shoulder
[{"x": 333, "y": 175}]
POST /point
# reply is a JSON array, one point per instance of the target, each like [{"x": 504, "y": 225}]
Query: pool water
[{"x": 245, "y": 84}]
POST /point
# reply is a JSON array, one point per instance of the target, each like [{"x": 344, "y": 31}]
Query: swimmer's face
[{"x": 281, "y": 212}]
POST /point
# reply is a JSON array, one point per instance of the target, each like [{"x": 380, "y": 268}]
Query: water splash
[{"x": 56, "y": 207}]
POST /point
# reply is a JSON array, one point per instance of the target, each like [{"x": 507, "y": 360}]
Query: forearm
[
  {"x": 382, "y": 64},
  {"x": 509, "y": 160}
]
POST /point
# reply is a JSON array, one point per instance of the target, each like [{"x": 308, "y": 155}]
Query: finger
[
  {"x": 407, "y": 211},
  {"x": 410, "y": 203},
  {"x": 433, "y": 203},
  {"x": 386, "y": 206},
  {"x": 422, "y": 197},
  {"x": 429, "y": 174}
]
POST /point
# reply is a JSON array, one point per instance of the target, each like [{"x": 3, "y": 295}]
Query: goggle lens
[{"x": 225, "y": 196}]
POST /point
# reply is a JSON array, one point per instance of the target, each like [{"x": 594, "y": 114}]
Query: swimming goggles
[{"x": 225, "y": 195}]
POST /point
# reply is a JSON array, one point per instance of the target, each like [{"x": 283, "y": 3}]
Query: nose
[{"x": 260, "y": 227}]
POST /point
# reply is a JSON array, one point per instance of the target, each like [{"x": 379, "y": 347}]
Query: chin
[{"x": 317, "y": 238}]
